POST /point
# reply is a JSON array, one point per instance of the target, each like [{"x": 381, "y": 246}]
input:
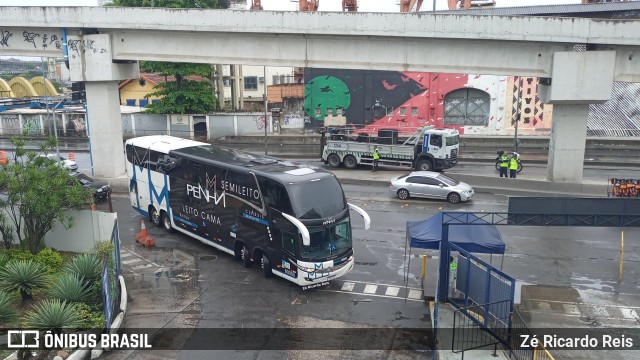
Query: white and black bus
[{"x": 291, "y": 218}]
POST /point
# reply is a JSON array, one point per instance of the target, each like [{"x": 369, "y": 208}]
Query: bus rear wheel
[
  {"x": 266, "y": 266},
  {"x": 246, "y": 257},
  {"x": 166, "y": 221},
  {"x": 154, "y": 216}
]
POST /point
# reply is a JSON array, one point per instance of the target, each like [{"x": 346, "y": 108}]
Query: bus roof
[
  {"x": 163, "y": 143},
  {"x": 281, "y": 169}
]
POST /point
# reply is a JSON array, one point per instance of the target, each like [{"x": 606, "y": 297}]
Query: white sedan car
[
  {"x": 64, "y": 162},
  {"x": 429, "y": 184}
]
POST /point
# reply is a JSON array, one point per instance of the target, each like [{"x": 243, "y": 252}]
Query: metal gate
[{"x": 483, "y": 294}]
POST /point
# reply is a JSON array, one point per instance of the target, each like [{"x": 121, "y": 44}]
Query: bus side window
[{"x": 129, "y": 150}]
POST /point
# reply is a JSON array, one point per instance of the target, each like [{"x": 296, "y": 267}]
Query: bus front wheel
[
  {"x": 246, "y": 257},
  {"x": 266, "y": 266}
]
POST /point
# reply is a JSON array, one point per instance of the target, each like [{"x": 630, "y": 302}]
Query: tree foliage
[
  {"x": 36, "y": 194},
  {"x": 181, "y": 96},
  {"x": 187, "y": 4}
]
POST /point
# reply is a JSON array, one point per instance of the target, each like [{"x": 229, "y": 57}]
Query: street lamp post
[{"x": 264, "y": 97}]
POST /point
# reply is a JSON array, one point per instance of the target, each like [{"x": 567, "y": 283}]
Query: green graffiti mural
[{"x": 325, "y": 93}]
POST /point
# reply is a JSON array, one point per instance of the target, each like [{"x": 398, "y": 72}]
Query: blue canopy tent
[{"x": 427, "y": 234}]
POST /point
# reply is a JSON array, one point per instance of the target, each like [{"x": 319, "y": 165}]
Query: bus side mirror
[
  {"x": 365, "y": 216},
  {"x": 306, "y": 239}
]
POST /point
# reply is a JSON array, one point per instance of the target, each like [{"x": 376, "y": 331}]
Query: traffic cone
[
  {"x": 72, "y": 156},
  {"x": 143, "y": 237},
  {"x": 3, "y": 157}
]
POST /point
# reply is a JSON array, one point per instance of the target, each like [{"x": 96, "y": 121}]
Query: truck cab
[{"x": 438, "y": 146}]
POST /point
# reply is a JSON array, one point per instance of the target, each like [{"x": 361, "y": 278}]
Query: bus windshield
[
  {"x": 327, "y": 241},
  {"x": 316, "y": 199}
]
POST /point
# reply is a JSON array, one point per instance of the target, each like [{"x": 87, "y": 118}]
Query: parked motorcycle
[{"x": 516, "y": 154}]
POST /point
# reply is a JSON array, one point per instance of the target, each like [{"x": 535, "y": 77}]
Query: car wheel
[
  {"x": 403, "y": 194},
  {"x": 333, "y": 160},
  {"x": 454, "y": 198},
  {"x": 266, "y": 266},
  {"x": 350, "y": 162},
  {"x": 154, "y": 216},
  {"x": 424, "y": 165},
  {"x": 166, "y": 221},
  {"x": 237, "y": 251},
  {"x": 246, "y": 257}
]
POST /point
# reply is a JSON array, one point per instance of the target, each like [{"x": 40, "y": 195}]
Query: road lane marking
[
  {"x": 125, "y": 254},
  {"x": 376, "y": 295},
  {"x": 127, "y": 262},
  {"x": 629, "y": 313},
  {"x": 370, "y": 289},
  {"x": 348, "y": 286},
  {"x": 571, "y": 309},
  {"x": 542, "y": 305},
  {"x": 392, "y": 291},
  {"x": 415, "y": 294},
  {"x": 140, "y": 267},
  {"x": 600, "y": 311}
]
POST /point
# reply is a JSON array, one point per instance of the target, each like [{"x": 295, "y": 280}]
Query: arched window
[{"x": 467, "y": 107}]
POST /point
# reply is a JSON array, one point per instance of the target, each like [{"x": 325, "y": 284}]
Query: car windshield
[
  {"x": 327, "y": 241},
  {"x": 451, "y": 140},
  {"x": 318, "y": 198},
  {"x": 447, "y": 180}
]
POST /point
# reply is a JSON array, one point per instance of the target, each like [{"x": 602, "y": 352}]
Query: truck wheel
[
  {"x": 453, "y": 198},
  {"x": 333, "y": 160},
  {"x": 403, "y": 194},
  {"x": 350, "y": 162},
  {"x": 424, "y": 165}
]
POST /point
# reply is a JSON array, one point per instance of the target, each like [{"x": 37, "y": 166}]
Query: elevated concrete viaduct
[{"x": 105, "y": 43}]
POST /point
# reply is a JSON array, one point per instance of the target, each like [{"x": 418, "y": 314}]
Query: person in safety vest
[
  {"x": 513, "y": 166},
  {"x": 504, "y": 164},
  {"x": 376, "y": 157}
]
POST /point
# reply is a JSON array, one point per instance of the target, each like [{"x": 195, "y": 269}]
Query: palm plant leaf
[
  {"x": 23, "y": 276},
  {"x": 86, "y": 266},
  {"x": 53, "y": 314},
  {"x": 72, "y": 288},
  {"x": 7, "y": 312}
]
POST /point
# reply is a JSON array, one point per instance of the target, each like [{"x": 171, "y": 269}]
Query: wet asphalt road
[{"x": 569, "y": 278}]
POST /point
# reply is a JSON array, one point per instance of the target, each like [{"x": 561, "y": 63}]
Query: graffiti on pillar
[
  {"x": 76, "y": 47},
  {"x": 48, "y": 40},
  {"x": 4, "y": 37},
  {"x": 30, "y": 38}
]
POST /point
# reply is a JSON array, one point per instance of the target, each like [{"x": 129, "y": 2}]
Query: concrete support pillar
[
  {"x": 103, "y": 106},
  {"x": 578, "y": 79},
  {"x": 219, "y": 81},
  {"x": 90, "y": 60},
  {"x": 567, "y": 143}
]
